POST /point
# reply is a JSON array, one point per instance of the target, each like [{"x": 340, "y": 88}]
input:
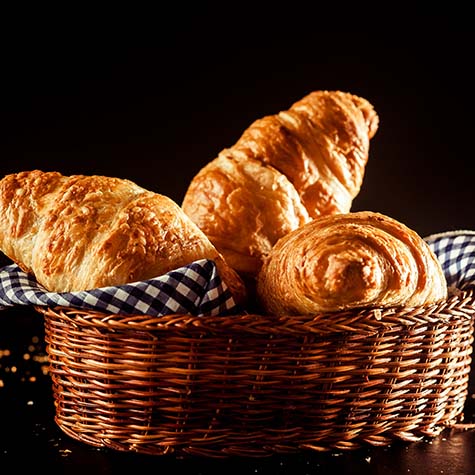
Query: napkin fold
[
  {"x": 195, "y": 289},
  {"x": 455, "y": 250}
]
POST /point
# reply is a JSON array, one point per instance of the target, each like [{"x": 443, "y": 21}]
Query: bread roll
[
  {"x": 81, "y": 232},
  {"x": 352, "y": 260},
  {"x": 285, "y": 170}
]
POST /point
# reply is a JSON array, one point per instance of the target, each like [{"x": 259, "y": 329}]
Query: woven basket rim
[{"x": 460, "y": 305}]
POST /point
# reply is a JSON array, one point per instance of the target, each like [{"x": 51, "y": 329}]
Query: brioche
[
  {"x": 346, "y": 261},
  {"x": 81, "y": 232},
  {"x": 285, "y": 170}
]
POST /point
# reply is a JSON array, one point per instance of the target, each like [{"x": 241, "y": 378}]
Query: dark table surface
[{"x": 30, "y": 438}]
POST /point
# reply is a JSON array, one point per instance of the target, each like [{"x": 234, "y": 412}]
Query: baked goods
[
  {"x": 285, "y": 170},
  {"x": 80, "y": 232},
  {"x": 346, "y": 261}
]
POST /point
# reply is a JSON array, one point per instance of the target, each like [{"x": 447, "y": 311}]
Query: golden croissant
[
  {"x": 81, "y": 232},
  {"x": 346, "y": 261},
  {"x": 285, "y": 170}
]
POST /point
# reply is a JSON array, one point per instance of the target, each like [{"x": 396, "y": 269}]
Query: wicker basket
[{"x": 255, "y": 385}]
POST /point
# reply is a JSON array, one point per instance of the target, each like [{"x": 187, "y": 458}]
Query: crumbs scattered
[{"x": 26, "y": 366}]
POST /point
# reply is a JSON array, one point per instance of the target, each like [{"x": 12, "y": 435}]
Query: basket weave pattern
[{"x": 254, "y": 385}]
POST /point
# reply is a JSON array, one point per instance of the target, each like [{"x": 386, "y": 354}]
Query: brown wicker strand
[{"x": 254, "y": 385}]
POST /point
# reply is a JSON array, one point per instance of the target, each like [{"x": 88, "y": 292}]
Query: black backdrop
[
  {"x": 154, "y": 98},
  {"x": 157, "y": 110}
]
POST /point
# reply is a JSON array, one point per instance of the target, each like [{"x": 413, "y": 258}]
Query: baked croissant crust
[
  {"x": 346, "y": 261},
  {"x": 81, "y": 232},
  {"x": 284, "y": 170}
]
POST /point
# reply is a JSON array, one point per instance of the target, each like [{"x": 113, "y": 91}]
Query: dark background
[
  {"x": 154, "y": 97},
  {"x": 155, "y": 108}
]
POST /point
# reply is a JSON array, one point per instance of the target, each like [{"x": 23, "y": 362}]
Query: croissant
[
  {"x": 352, "y": 260},
  {"x": 285, "y": 170},
  {"x": 81, "y": 232}
]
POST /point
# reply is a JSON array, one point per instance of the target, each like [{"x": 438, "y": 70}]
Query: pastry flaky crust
[
  {"x": 352, "y": 260},
  {"x": 81, "y": 232},
  {"x": 284, "y": 170}
]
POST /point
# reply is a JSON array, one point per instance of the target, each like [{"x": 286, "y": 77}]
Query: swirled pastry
[
  {"x": 284, "y": 170},
  {"x": 80, "y": 232},
  {"x": 351, "y": 260}
]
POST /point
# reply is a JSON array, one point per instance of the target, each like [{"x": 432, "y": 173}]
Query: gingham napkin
[
  {"x": 195, "y": 289},
  {"x": 455, "y": 251}
]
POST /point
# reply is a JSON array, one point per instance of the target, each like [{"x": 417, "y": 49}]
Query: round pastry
[{"x": 346, "y": 261}]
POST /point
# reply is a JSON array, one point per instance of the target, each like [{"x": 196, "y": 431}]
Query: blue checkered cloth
[
  {"x": 195, "y": 289},
  {"x": 455, "y": 251}
]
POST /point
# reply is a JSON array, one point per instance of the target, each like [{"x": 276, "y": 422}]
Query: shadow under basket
[{"x": 254, "y": 385}]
